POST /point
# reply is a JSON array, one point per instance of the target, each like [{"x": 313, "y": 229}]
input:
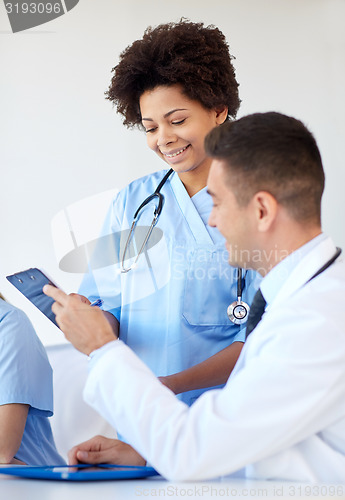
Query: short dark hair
[
  {"x": 275, "y": 153},
  {"x": 185, "y": 53}
]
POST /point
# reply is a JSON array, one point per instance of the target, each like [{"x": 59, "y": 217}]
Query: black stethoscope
[
  {"x": 158, "y": 209},
  {"x": 237, "y": 311},
  {"x": 325, "y": 266}
]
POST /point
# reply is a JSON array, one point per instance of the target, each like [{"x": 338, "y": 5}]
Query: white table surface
[{"x": 12, "y": 488}]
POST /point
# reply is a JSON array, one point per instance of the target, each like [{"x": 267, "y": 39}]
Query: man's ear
[
  {"x": 266, "y": 209},
  {"x": 221, "y": 114}
]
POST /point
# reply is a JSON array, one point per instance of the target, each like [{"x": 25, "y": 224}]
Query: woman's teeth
[{"x": 175, "y": 154}]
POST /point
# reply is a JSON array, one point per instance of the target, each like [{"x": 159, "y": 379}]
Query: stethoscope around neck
[
  {"x": 157, "y": 211},
  {"x": 237, "y": 311}
]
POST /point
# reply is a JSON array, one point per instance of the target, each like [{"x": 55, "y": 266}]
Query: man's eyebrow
[{"x": 166, "y": 114}]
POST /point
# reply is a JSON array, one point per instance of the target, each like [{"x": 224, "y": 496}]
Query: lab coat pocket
[{"x": 210, "y": 288}]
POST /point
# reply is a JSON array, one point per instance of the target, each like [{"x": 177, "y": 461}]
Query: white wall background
[{"x": 61, "y": 141}]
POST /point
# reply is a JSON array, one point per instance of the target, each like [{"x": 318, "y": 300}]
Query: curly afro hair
[{"x": 185, "y": 53}]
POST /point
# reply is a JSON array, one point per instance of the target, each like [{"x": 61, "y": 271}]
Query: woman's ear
[{"x": 221, "y": 114}]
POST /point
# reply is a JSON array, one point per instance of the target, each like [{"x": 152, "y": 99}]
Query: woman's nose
[{"x": 165, "y": 137}]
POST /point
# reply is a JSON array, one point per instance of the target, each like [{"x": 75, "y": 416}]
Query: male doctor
[{"x": 281, "y": 414}]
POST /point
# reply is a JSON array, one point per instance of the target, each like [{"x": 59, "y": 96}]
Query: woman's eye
[
  {"x": 178, "y": 122},
  {"x": 150, "y": 130}
]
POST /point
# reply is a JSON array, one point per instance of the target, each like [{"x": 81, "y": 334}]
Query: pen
[{"x": 97, "y": 303}]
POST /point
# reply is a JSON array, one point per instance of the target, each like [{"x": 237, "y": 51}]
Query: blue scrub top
[
  {"x": 26, "y": 378},
  {"x": 172, "y": 307}
]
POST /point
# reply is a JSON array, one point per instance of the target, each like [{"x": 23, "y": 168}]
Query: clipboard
[
  {"x": 30, "y": 283},
  {"x": 81, "y": 472}
]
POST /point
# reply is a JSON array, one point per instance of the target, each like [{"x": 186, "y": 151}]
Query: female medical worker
[
  {"x": 26, "y": 393},
  {"x": 176, "y": 83}
]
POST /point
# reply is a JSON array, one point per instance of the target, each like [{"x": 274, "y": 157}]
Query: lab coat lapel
[
  {"x": 190, "y": 213},
  {"x": 305, "y": 269}
]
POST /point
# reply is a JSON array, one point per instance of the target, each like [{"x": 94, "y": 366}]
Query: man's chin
[
  {"x": 234, "y": 263},
  {"x": 238, "y": 258}
]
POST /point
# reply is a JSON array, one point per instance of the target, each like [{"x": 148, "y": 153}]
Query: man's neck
[
  {"x": 281, "y": 247},
  {"x": 280, "y": 273}
]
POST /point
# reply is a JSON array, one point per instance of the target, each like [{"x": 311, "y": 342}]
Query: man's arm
[
  {"x": 211, "y": 372},
  {"x": 289, "y": 388},
  {"x": 260, "y": 413},
  {"x": 12, "y": 425}
]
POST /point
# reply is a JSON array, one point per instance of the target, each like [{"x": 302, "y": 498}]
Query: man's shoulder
[{"x": 318, "y": 302}]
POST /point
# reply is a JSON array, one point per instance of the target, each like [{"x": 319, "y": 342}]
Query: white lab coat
[{"x": 281, "y": 414}]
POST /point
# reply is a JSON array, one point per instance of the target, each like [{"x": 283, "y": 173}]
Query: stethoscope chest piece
[{"x": 238, "y": 312}]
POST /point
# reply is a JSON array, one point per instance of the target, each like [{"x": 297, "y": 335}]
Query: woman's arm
[
  {"x": 12, "y": 425},
  {"x": 213, "y": 371}
]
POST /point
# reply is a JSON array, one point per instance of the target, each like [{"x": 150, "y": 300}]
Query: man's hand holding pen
[{"x": 86, "y": 327}]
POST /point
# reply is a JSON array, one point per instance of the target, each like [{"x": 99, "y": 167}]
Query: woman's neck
[{"x": 194, "y": 180}]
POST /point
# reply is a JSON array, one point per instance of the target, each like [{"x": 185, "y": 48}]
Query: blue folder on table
[{"x": 83, "y": 472}]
